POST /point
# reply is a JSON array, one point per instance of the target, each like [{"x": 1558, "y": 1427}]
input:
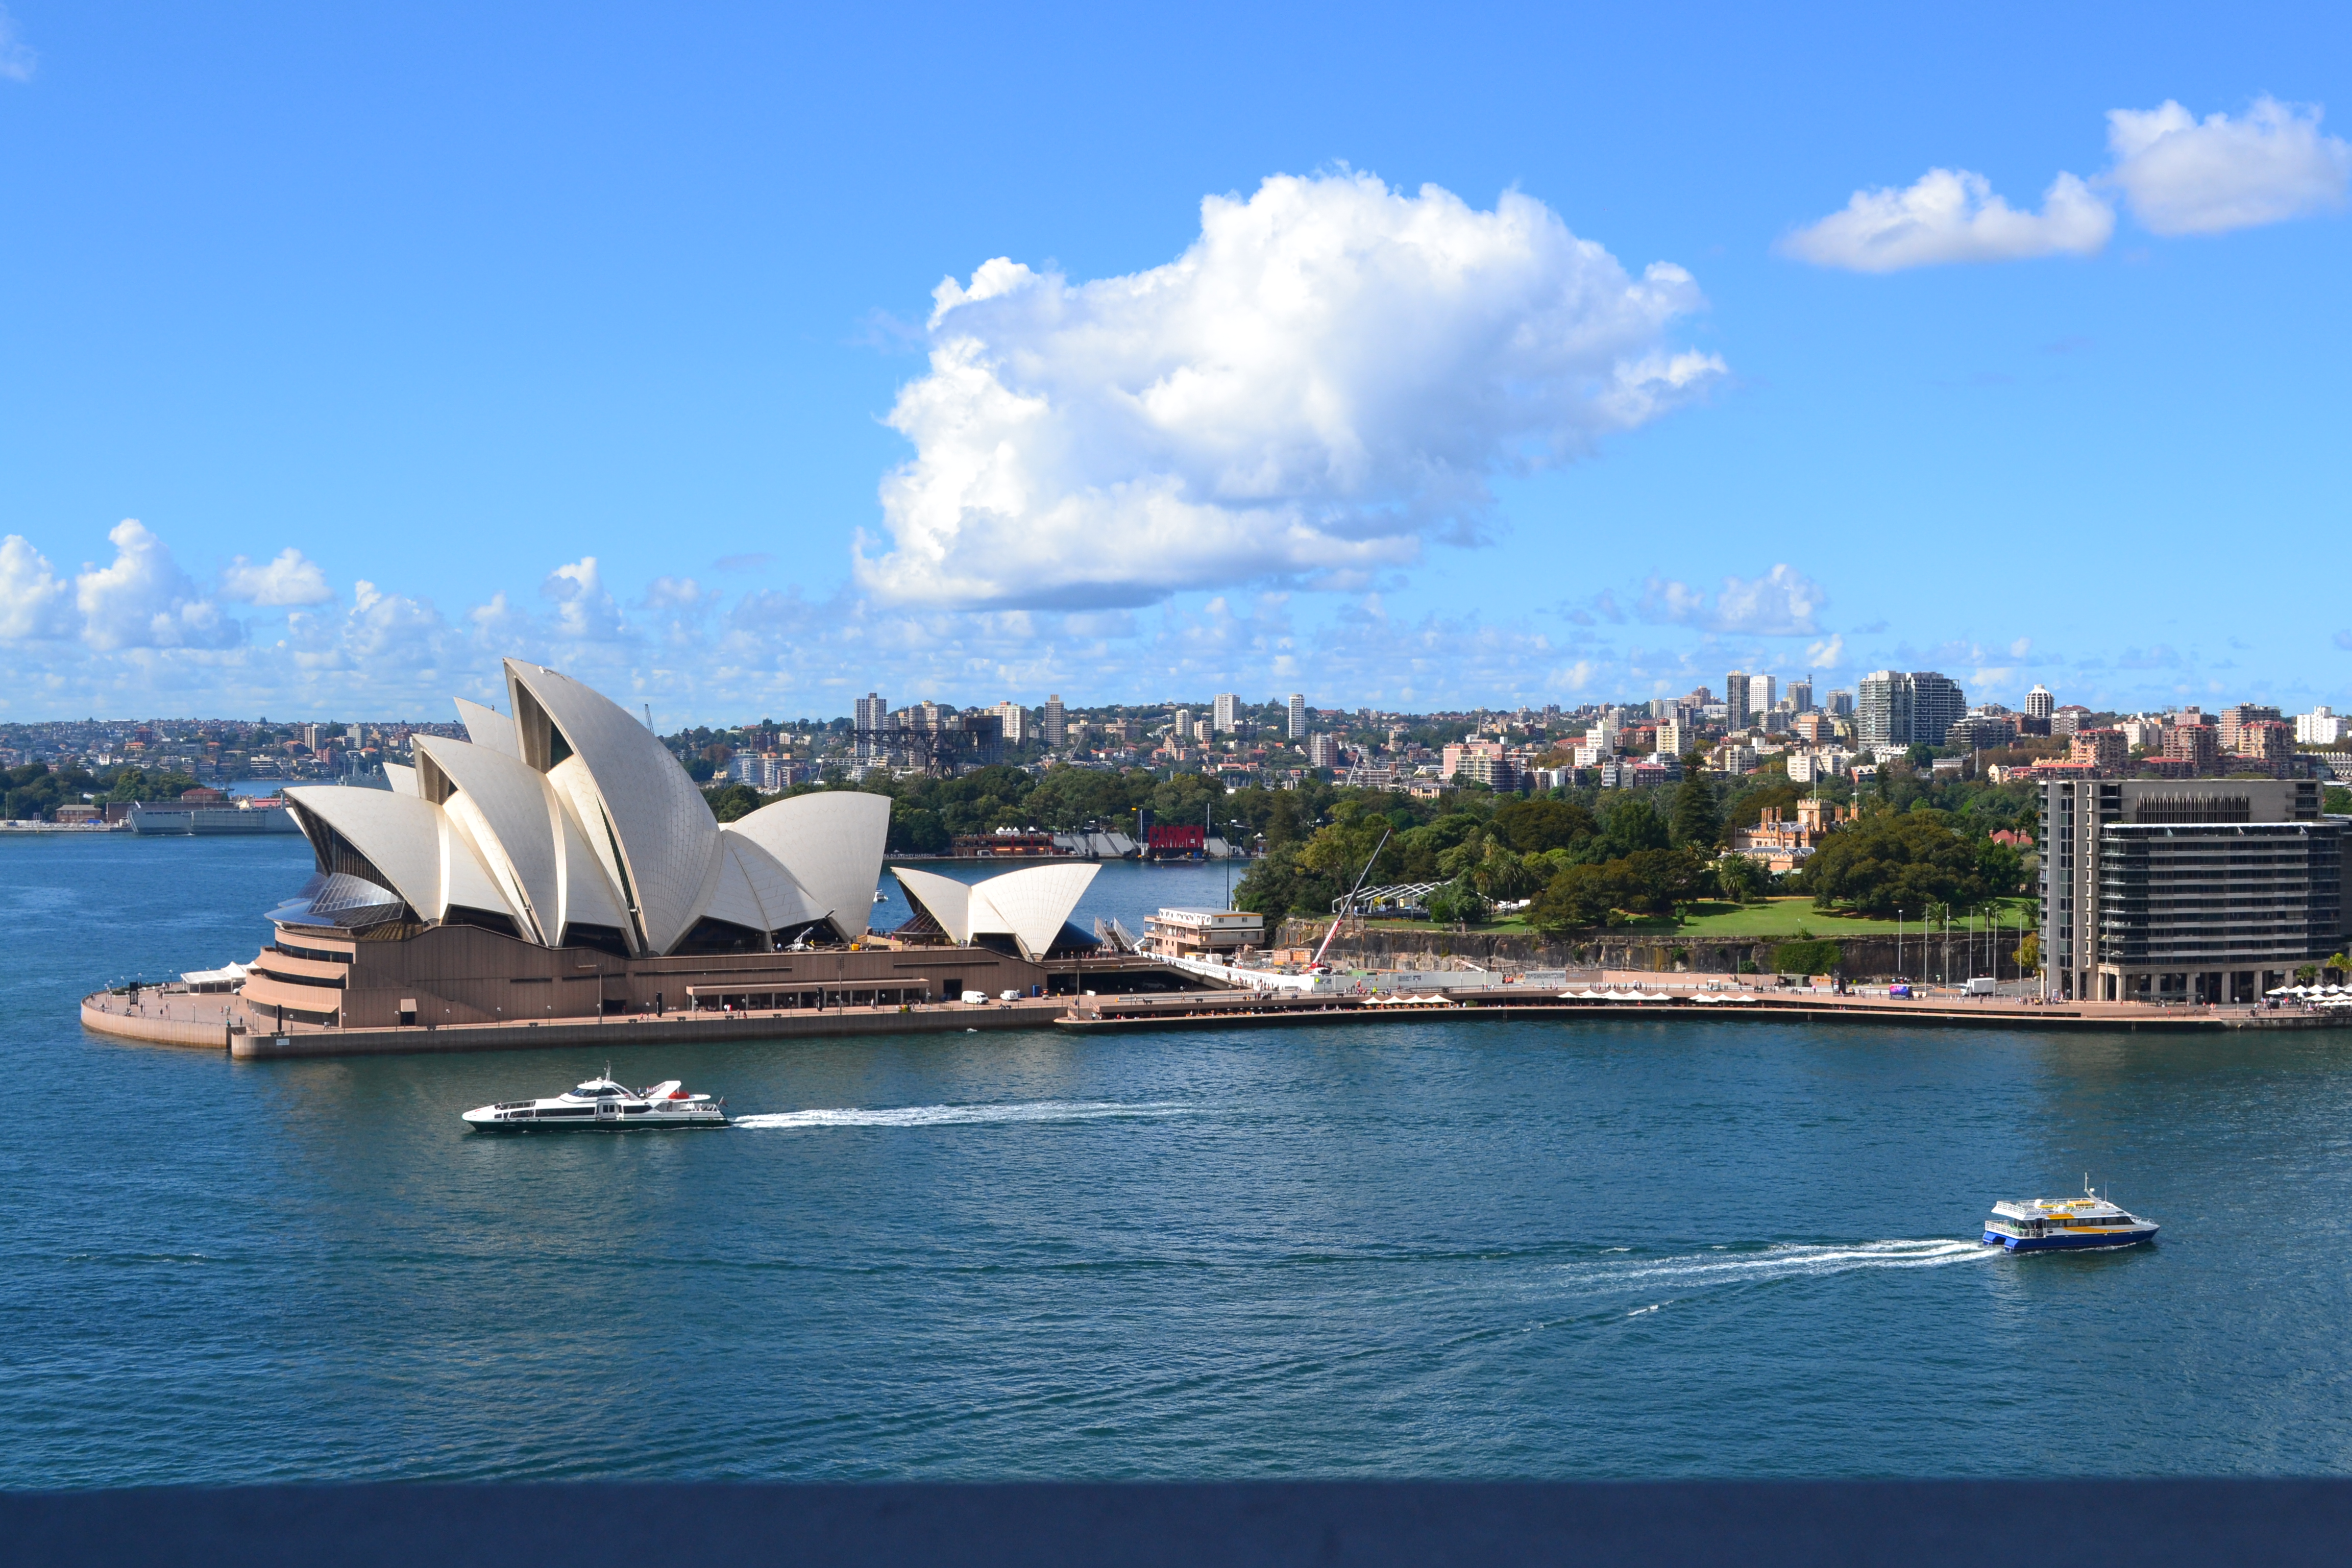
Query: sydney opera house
[{"x": 559, "y": 865}]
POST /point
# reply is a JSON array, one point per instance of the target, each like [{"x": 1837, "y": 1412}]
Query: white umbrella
[{"x": 2280, "y": 991}]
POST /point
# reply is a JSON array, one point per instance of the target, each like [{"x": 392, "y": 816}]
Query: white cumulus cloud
[
  {"x": 1953, "y": 215},
  {"x": 290, "y": 579},
  {"x": 1782, "y": 603},
  {"x": 142, "y": 599},
  {"x": 1324, "y": 379},
  {"x": 34, "y": 604},
  {"x": 2182, "y": 175},
  {"x": 586, "y": 611}
]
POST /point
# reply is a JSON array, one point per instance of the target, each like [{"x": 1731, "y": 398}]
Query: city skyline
[{"x": 1882, "y": 382}]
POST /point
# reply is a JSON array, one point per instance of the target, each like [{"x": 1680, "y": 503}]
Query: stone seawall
[{"x": 1869, "y": 957}]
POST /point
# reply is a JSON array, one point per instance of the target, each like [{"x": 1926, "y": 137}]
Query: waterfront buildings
[
  {"x": 2204, "y": 890},
  {"x": 1180, "y": 933},
  {"x": 1894, "y": 710}
]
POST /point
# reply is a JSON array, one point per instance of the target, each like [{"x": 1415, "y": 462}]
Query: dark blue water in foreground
[{"x": 1427, "y": 1249}]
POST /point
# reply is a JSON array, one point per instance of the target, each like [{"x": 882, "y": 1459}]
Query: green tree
[
  {"x": 1532, "y": 826},
  {"x": 1629, "y": 823},
  {"x": 1740, "y": 878},
  {"x": 1456, "y": 901},
  {"x": 1894, "y": 860},
  {"x": 732, "y": 803},
  {"x": 1696, "y": 823},
  {"x": 917, "y": 830}
]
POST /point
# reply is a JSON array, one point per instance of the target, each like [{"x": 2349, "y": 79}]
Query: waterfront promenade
[{"x": 170, "y": 1017}]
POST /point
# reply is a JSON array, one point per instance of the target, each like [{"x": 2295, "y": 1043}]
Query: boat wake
[
  {"x": 963, "y": 1115},
  {"x": 1796, "y": 1260}
]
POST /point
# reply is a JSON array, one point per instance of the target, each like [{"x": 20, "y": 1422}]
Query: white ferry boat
[
  {"x": 2050, "y": 1223},
  {"x": 601, "y": 1103}
]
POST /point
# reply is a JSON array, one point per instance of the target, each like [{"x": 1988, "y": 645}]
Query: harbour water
[{"x": 1435, "y": 1248}]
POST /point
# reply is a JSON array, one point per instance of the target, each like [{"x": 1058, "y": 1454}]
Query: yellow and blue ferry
[{"x": 2049, "y": 1223}]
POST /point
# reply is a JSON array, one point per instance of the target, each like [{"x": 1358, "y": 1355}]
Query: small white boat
[
  {"x": 2048, "y": 1224},
  {"x": 603, "y": 1104}
]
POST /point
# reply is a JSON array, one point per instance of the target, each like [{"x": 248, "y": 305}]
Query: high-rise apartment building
[
  {"x": 1323, "y": 750},
  {"x": 1228, "y": 711},
  {"x": 873, "y": 716},
  {"x": 1801, "y": 694},
  {"x": 2269, "y": 743},
  {"x": 1893, "y": 709},
  {"x": 1841, "y": 704},
  {"x": 1298, "y": 717},
  {"x": 2323, "y": 726},
  {"x": 1016, "y": 721},
  {"x": 1736, "y": 707},
  {"x": 1675, "y": 737},
  {"x": 1181, "y": 728},
  {"x": 2196, "y": 744},
  {"x": 2103, "y": 748},
  {"x": 2234, "y": 720},
  {"x": 2186, "y": 891},
  {"x": 2040, "y": 703},
  {"x": 1763, "y": 693},
  {"x": 1057, "y": 721}
]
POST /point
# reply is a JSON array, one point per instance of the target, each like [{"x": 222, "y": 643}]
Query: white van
[{"x": 974, "y": 998}]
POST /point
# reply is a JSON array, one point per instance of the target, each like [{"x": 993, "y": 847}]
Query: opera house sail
[{"x": 559, "y": 863}]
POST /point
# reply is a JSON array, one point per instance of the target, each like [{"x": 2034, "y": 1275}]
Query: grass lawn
[{"x": 1772, "y": 917}]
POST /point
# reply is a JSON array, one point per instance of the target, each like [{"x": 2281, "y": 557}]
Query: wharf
[
  {"x": 170, "y": 1018},
  {"x": 1234, "y": 1009},
  {"x": 201, "y": 1021}
]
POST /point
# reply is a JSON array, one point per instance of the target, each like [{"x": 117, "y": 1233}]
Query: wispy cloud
[
  {"x": 1951, "y": 216},
  {"x": 17, "y": 57},
  {"x": 1782, "y": 603},
  {"x": 2179, "y": 174}
]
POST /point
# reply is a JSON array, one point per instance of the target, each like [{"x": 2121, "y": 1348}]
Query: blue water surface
[{"x": 1433, "y": 1248}]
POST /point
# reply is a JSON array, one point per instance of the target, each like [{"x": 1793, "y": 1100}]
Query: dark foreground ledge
[{"x": 1752, "y": 1524}]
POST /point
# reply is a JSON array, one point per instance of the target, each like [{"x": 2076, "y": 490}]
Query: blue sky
[{"x": 610, "y": 337}]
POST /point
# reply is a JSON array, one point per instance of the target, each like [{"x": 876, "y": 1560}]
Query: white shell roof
[
  {"x": 946, "y": 900},
  {"x": 669, "y": 842},
  {"x": 589, "y": 896},
  {"x": 517, "y": 805},
  {"x": 755, "y": 891},
  {"x": 488, "y": 727},
  {"x": 427, "y": 861},
  {"x": 832, "y": 843},
  {"x": 617, "y": 823},
  {"x": 1030, "y": 905}
]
